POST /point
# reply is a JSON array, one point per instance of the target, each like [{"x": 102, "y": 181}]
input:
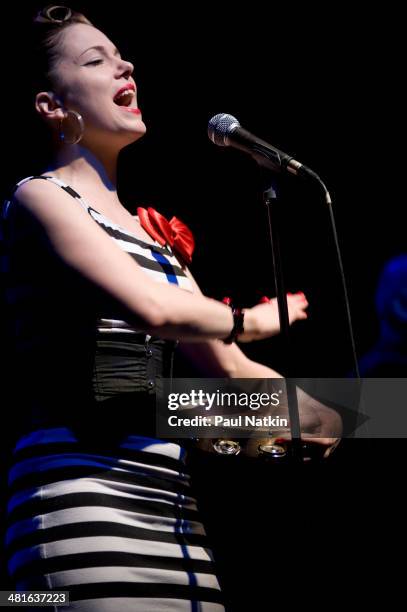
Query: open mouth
[{"x": 124, "y": 98}]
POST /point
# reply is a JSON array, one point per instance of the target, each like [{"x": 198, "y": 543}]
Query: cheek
[{"x": 90, "y": 93}]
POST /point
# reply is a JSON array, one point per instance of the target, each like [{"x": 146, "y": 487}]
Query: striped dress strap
[{"x": 52, "y": 179}]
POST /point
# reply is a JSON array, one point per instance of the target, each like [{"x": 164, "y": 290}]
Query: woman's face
[{"x": 92, "y": 79}]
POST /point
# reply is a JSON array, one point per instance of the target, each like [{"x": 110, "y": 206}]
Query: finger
[
  {"x": 323, "y": 441},
  {"x": 302, "y": 316},
  {"x": 297, "y": 298}
]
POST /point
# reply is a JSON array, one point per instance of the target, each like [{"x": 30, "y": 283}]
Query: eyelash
[{"x": 94, "y": 62}]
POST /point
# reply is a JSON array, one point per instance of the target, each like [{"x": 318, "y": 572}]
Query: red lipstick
[
  {"x": 135, "y": 111},
  {"x": 124, "y": 88}
]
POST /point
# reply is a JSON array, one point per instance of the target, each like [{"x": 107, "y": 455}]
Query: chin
[
  {"x": 138, "y": 132},
  {"x": 132, "y": 137},
  {"x": 132, "y": 132}
]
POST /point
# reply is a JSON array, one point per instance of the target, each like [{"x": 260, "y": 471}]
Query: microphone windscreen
[{"x": 220, "y": 126}]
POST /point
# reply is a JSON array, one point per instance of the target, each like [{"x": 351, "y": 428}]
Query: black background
[
  {"x": 320, "y": 84},
  {"x": 323, "y": 84}
]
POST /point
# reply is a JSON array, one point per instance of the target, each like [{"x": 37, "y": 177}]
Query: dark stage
[{"x": 322, "y": 85}]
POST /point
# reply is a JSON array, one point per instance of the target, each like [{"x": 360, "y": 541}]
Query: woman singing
[{"x": 98, "y": 506}]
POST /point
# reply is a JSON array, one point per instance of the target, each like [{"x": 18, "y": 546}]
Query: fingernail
[{"x": 264, "y": 300}]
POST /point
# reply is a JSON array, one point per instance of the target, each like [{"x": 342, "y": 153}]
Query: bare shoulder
[
  {"x": 60, "y": 218},
  {"x": 45, "y": 199},
  {"x": 32, "y": 188}
]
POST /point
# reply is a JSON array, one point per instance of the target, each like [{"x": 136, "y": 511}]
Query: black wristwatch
[{"x": 238, "y": 325}]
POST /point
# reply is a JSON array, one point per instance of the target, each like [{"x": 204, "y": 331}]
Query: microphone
[{"x": 225, "y": 131}]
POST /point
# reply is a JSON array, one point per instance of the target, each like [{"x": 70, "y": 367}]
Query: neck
[{"x": 78, "y": 165}]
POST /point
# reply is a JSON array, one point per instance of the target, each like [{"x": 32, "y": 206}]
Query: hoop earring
[{"x": 81, "y": 128}]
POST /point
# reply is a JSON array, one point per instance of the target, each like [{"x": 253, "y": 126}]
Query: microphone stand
[{"x": 271, "y": 202}]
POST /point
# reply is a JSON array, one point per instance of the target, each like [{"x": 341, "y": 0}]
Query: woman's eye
[{"x": 94, "y": 62}]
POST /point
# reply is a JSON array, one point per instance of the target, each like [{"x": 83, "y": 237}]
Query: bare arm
[
  {"x": 220, "y": 360},
  {"x": 160, "y": 309},
  {"x": 228, "y": 361}
]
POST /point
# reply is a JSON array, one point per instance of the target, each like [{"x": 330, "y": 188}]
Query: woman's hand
[{"x": 263, "y": 320}]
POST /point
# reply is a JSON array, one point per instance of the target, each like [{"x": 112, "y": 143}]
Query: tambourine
[{"x": 271, "y": 449}]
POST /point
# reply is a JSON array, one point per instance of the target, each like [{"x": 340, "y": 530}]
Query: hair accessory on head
[{"x": 54, "y": 14}]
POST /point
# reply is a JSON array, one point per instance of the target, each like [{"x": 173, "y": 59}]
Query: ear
[{"x": 49, "y": 106}]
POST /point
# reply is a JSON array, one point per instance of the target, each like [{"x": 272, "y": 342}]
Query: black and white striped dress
[{"x": 97, "y": 505}]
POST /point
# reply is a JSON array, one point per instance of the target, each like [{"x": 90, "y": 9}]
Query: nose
[{"x": 125, "y": 68}]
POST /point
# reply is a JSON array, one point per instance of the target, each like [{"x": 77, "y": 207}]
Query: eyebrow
[{"x": 100, "y": 48}]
